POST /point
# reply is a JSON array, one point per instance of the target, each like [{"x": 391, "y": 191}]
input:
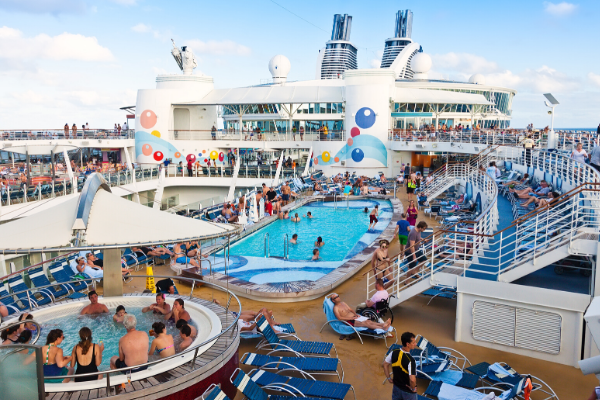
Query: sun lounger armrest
[{"x": 45, "y": 292}]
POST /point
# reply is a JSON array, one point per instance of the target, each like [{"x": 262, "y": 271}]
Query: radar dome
[
  {"x": 477, "y": 79},
  {"x": 279, "y": 66},
  {"x": 421, "y": 63}
]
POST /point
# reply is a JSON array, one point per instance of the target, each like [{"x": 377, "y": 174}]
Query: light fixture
[{"x": 551, "y": 102}]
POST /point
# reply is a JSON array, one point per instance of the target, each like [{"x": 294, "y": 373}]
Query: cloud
[
  {"x": 460, "y": 66},
  {"x": 559, "y": 9},
  {"x": 594, "y": 78},
  {"x": 223, "y": 47},
  {"x": 376, "y": 62},
  {"x": 66, "y": 46},
  {"x": 45, "y": 6},
  {"x": 141, "y": 28},
  {"x": 30, "y": 97}
]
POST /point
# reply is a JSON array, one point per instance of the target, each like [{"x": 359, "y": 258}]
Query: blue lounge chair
[
  {"x": 20, "y": 289},
  {"x": 440, "y": 291},
  {"x": 213, "y": 392},
  {"x": 287, "y": 331},
  {"x": 252, "y": 386},
  {"x": 61, "y": 276},
  {"x": 310, "y": 365},
  {"x": 298, "y": 347},
  {"x": 9, "y": 301},
  {"x": 426, "y": 352},
  {"x": 38, "y": 279},
  {"x": 499, "y": 374},
  {"x": 344, "y": 328},
  {"x": 441, "y": 390}
]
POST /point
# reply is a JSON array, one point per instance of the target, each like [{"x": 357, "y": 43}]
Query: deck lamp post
[{"x": 551, "y": 102}]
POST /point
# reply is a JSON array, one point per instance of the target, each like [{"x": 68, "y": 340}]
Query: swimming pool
[{"x": 343, "y": 229}]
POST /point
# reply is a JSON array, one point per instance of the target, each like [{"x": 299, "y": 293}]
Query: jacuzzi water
[
  {"x": 104, "y": 328},
  {"x": 343, "y": 229}
]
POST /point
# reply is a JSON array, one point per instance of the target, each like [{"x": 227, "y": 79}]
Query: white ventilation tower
[
  {"x": 279, "y": 66},
  {"x": 420, "y": 64}
]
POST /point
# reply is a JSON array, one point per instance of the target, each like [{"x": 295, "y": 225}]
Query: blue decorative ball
[
  {"x": 365, "y": 118},
  {"x": 357, "y": 155}
]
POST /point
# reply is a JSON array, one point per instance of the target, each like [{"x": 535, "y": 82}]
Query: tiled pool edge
[{"x": 308, "y": 290}]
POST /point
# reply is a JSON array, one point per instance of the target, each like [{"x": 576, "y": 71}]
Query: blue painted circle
[
  {"x": 357, "y": 155},
  {"x": 365, "y": 117}
]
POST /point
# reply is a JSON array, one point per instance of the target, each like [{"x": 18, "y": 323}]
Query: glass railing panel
[{"x": 19, "y": 373}]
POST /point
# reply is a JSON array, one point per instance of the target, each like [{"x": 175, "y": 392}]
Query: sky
[{"x": 78, "y": 61}]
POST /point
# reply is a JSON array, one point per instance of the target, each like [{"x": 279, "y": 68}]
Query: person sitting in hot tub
[
  {"x": 182, "y": 322},
  {"x": 120, "y": 314},
  {"x": 160, "y": 307},
  {"x": 180, "y": 254},
  {"x": 163, "y": 342},
  {"x": 54, "y": 361},
  {"x": 178, "y": 312},
  {"x": 186, "y": 337},
  {"x": 319, "y": 242},
  {"x": 133, "y": 347}
]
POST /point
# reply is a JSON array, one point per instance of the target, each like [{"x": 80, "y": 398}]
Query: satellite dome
[
  {"x": 279, "y": 66},
  {"x": 421, "y": 63},
  {"x": 477, "y": 79}
]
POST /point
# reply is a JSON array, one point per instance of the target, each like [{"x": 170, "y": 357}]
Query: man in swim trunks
[
  {"x": 344, "y": 313},
  {"x": 285, "y": 193},
  {"x": 373, "y": 217},
  {"x": 178, "y": 312},
  {"x": 181, "y": 256},
  {"x": 133, "y": 347},
  {"x": 160, "y": 307},
  {"x": 94, "y": 307}
]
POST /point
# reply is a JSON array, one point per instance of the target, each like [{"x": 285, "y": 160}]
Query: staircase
[{"x": 534, "y": 241}]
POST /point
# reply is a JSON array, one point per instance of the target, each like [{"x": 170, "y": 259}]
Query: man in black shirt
[{"x": 404, "y": 369}]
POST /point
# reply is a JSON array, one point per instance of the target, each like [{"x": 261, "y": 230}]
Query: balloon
[
  {"x": 155, "y": 133},
  {"x": 148, "y": 119},
  {"x": 365, "y": 118},
  {"x": 146, "y": 149},
  {"x": 221, "y": 156},
  {"x": 350, "y": 141},
  {"x": 177, "y": 154},
  {"x": 337, "y": 159},
  {"x": 190, "y": 157},
  {"x": 357, "y": 155}
]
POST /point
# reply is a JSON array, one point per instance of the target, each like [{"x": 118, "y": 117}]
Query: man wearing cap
[{"x": 94, "y": 307}]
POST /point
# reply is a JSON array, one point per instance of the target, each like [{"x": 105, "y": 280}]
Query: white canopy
[
  {"x": 272, "y": 95},
  {"x": 38, "y": 149},
  {"x": 113, "y": 221},
  {"x": 404, "y": 95}
]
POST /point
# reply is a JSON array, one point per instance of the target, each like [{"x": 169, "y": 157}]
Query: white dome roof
[
  {"x": 279, "y": 66},
  {"x": 477, "y": 79},
  {"x": 421, "y": 63}
]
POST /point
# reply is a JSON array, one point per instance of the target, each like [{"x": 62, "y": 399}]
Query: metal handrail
[
  {"x": 194, "y": 348},
  {"x": 3, "y": 278},
  {"x": 29, "y": 321}
]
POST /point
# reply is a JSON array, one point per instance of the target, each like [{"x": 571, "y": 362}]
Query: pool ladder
[
  {"x": 267, "y": 244},
  {"x": 286, "y": 247}
]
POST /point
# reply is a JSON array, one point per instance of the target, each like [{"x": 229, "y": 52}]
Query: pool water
[
  {"x": 342, "y": 228},
  {"x": 104, "y": 328}
]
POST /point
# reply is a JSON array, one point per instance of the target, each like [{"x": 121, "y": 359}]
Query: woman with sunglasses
[{"x": 54, "y": 361}]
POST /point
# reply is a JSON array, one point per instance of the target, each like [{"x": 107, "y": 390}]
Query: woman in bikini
[{"x": 163, "y": 343}]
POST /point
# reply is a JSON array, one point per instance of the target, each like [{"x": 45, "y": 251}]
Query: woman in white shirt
[{"x": 579, "y": 154}]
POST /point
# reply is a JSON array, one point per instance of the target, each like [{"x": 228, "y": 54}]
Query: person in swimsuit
[
  {"x": 3, "y": 312},
  {"x": 87, "y": 361},
  {"x": 54, "y": 361},
  {"x": 309, "y": 215},
  {"x": 186, "y": 337},
  {"x": 285, "y": 193},
  {"x": 10, "y": 335},
  {"x": 294, "y": 239},
  {"x": 315, "y": 256},
  {"x": 133, "y": 347},
  {"x": 182, "y": 322},
  {"x": 160, "y": 307},
  {"x": 178, "y": 312},
  {"x": 319, "y": 242},
  {"x": 344, "y": 313},
  {"x": 373, "y": 217},
  {"x": 228, "y": 214},
  {"x": 163, "y": 342},
  {"x": 296, "y": 218},
  {"x": 119, "y": 315},
  {"x": 181, "y": 255},
  {"x": 381, "y": 262},
  {"x": 94, "y": 307}
]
